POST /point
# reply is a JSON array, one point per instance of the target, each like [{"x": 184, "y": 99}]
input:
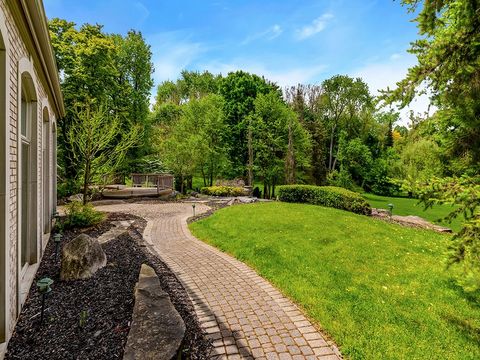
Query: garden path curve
[{"x": 246, "y": 317}]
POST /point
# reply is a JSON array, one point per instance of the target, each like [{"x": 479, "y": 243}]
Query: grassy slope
[
  {"x": 406, "y": 206},
  {"x": 379, "y": 289}
]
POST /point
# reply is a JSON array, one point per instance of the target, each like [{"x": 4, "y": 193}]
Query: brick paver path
[{"x": 244, "y": 315}]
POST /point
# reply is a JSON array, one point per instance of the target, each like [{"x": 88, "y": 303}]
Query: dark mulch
[{"x": 90, "y": 319}]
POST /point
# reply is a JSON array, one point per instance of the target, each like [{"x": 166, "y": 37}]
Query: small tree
[{"x": 98, "y": 142}]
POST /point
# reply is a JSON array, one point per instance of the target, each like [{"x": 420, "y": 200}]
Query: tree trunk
[
  {"x": 335, "y": 160},
  {"x": 86, "y": 178},
  {"x": 265, "y": 190},
  {"x": 204, "y": 177},
  {"x": 250, "y": 157},
  {"x": 330, "y": 159},
  {"x": 290, "y": 161},
  {"x": 181, "y": 184}
]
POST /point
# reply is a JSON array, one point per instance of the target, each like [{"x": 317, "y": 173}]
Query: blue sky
[{"x": 286, "y": 41}]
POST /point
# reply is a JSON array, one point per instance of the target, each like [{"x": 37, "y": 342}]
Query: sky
[{"x": 287, "y": 41}]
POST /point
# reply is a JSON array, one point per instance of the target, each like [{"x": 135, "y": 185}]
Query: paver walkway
[{"x": 245, "y": 316}]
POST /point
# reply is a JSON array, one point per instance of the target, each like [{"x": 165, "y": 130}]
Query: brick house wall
[{"x": 20, "y": 24}]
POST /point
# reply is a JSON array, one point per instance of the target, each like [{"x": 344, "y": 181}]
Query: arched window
[
  {"x": 46, "y": 154},
  {"x": 27, "y": 184}
]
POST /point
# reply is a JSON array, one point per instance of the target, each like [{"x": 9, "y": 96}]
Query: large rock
[
  {"x": 157, "y": 329},
  {"x": 81, "y": 258}
]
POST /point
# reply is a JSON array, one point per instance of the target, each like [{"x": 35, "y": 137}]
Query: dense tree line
[{"x": 330, "y": 133}]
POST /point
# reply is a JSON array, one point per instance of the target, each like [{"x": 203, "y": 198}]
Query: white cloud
[
  {"x": 381, "y": 75},
  {"x": 284, "y": 77},
  {"x": 318, "y": 25},
  {"x": 172, "y": 53},
  {"x": 269, "y": 34}
]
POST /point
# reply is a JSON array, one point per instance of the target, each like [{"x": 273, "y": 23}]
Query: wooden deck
[
  {"x": 152, "y": 185},
  {"x": 132, "y": 192}
]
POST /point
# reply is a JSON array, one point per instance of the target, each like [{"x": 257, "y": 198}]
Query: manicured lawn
[
  {"x": 406, "y": 206},
  {"x": 380, "y": 290}
]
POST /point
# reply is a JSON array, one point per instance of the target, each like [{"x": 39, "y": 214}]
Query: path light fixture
[
  {"x": 57, "y": 238},
  {"x": 56, "y": 214},
  {"x": 193, "y": 207},
  {"x": 44, "y": 287},
  {"x": 390, "y": 209}
]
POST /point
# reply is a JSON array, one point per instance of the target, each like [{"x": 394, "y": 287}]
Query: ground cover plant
[
  {"x": 407, "y": 206},
  {"x": 379, "y": 289}
]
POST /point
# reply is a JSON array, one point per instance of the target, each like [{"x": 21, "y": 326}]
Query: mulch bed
[{"x": 90, "y": 319}]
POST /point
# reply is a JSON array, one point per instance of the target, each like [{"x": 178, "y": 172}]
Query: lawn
[
  {"x": 380, "y": 290},
  {"x": 406, "y": 206}
]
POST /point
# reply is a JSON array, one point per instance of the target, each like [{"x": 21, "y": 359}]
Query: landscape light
[
  {"x": 57, "y": 238},
  {"x": 193, "y": 207},
  {"x": 44, "y": 287},
  {"x": 390, "y": 209}
]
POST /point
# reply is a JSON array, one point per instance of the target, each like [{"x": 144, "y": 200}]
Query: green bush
[
  {"x": 79, "y": 215},
  {"x": 223, "y": 191},
  {"x": 330, "y": 196}
]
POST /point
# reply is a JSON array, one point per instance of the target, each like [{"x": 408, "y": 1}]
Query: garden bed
[{"x": 90, "y": 319}]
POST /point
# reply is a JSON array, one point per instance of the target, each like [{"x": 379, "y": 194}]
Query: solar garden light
[
  {"x": 390, "y": 209},
  {"x": 193, "y": 207},
  {"x": 57, "y": 238},
  {"x": 44, "y": 288}
]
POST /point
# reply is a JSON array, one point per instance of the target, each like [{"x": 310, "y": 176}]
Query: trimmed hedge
[
  {"x": 223, "y": 191},
  {"x": 330, "y": 196}
]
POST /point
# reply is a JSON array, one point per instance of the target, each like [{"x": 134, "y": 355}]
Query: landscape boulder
[
  {"x": 81, "y": 258},
  {"x": 157, "y": 329}
]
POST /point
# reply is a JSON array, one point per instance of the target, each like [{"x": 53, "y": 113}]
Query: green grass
[
  {"x": 379, "y": 289},
  {"x": 406, "y": 206}
]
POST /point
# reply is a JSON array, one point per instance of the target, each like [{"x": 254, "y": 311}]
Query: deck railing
[{"x": 160, "y": 181}]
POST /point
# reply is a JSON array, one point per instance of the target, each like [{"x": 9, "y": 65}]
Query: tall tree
[
  {"x": 239, "y": 89},
  {"x": 108, "y": 69},
  {"x": 278, "y": 137},
  {"x": 305, "y": 101},
  {"x": 97, "y": 142},
  {"x": 343, "y": 102}
]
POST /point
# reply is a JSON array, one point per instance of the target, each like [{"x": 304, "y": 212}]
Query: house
[{"x": 31, "y": 102}]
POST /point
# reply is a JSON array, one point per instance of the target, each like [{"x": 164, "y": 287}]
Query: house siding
[{"x": 17, "y": 50}]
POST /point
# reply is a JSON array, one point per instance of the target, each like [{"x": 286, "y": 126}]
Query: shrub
[
  {"x": 330, "y": 196},
  {"x": 79, "y": 215},
  {"x": 223, "y": 191},
  {"x": 341, "y": 179}
]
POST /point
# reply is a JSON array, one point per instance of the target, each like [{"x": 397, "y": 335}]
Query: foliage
[
  {"x": 97, "y": 143},
  {"x": 419, "y": 161},
  {"x": 277, "y": 138},
  {"x": 378, "y": 289},
  {"x": 150, "y": 164},
  {"x": 223, "y": 191},
  {"x": 464, "y": 192},
  {"x": 197, "y": 141},
  {"x": 110, "y": 69},
  {"x": 329, "y": 196},
  {"x": 344, "y": 102},
  {"x": 239, "y": 90},
  {"x": 341, "y": 178},
  {"x": 304, "y": 101},
  {"x": 80, "y": 215}
]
